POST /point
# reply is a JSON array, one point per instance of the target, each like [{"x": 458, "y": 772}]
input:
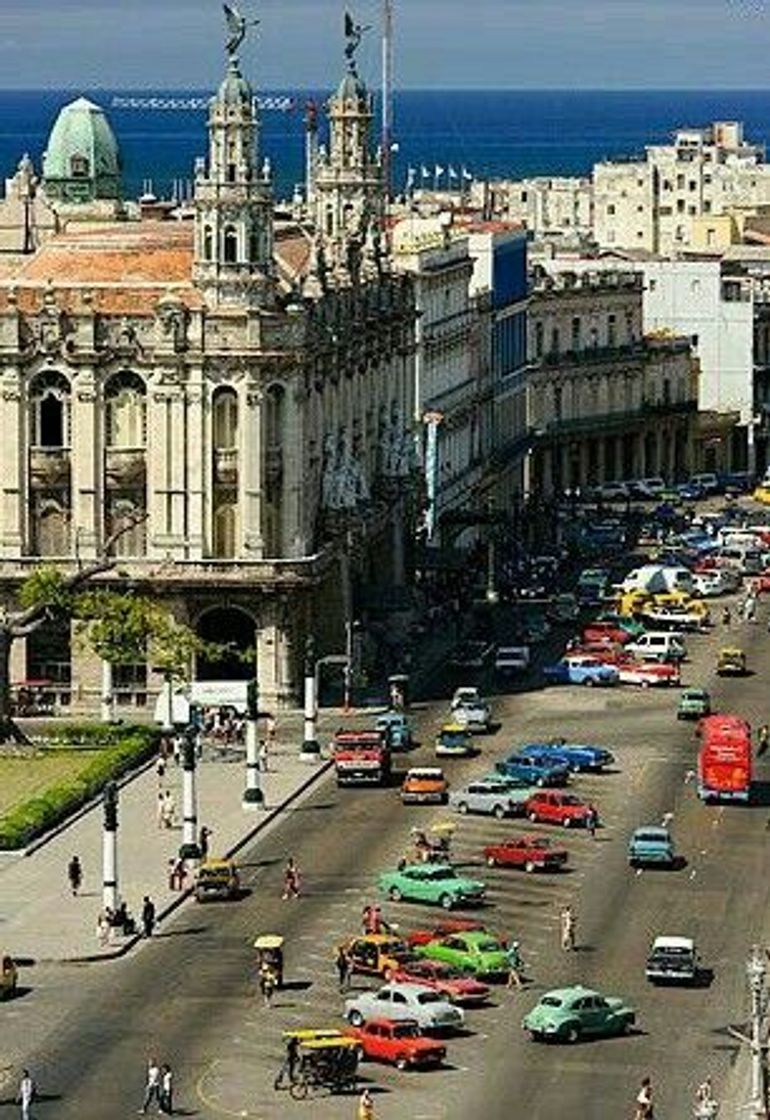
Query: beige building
[
  {"x": 247, "y": 385},
  {"x": 655, "y": 203},
  {"x": 559, "y": 208},
  {"x": 605, "y": 402}
]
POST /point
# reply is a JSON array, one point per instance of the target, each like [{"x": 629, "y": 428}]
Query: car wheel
[
  {"x": 394, "y": 894},
  {"x": 529, "y": 866},
  {"x": 535, "y": 1036},
  {"x": 355, "y": 1018},
  {"x": 402, "y": 1063},
  {"x": 446, "y": 902},
  {"x": 588, "y": 682},
  {"x": 533, "y": 817},
  {"x": 540, "y": 782},
  {"x": 491, "y": 861},
  {"x": 387, "y": 975},
  {"x": 498, "y": 812},
  {"x": 567, "y": 822},
  {"x": 572, "y": 1034},
  {"x": 644, "y": 683},
  {"x": 462, "y": 807}
]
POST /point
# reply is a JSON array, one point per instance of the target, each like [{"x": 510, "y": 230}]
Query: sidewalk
[{"x": 39, "y": 918}]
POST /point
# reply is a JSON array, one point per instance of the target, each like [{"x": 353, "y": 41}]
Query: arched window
[
  {"x": 49, "y": 414},
  {"x": 125, "y": 411},
  {"x": 230, "y": 245},
  {"x": 225, "y": 419},
  {"x": 208, "y": 243}
]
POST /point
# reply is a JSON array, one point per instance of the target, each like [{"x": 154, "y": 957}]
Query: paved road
[{"x": 189, "y": 996}]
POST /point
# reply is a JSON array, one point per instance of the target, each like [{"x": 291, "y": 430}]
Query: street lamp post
[
  {"x": 253, "y": 797},
  {"x": 110, "y": 848},
  {"x": 311, "y": 749},
  {"x": 189, "y": 848},
  {"x": 756, "y": 971},
  {"x": 108, "y": 703}
]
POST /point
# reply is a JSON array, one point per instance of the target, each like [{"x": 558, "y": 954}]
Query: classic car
[
  {"x": 491, "y": 798},
  {"x": 476, "y": 952},
  {"x": 569, "y": 1014},
  {"x": 622, "y": 622},
  {"x": 651, "y": 844},
  {"x": 216, "y": 878},
  {"x": 405, "y": 1001},
  {"x": 441, "y": 928},
  {"x": 518, "y": 790},
  {"x": 554, "y": 807},
  {"x": 731, "y": 662},
  {"x": 397, "y": 729},
  {"x": 534, "y": 771},
  {"x": 432, "y": 883},
  {"x": 650, "y": 674},
  {"x": 672, "y": 960},
  {"x": 375, "y": 954},
  {"x": 599, "y": 631},
  {"x": 564, "y": 608},
  {"x": 580, "y": 670},
  {"x": 444, "y": 978},
  {"x": 693, "y": 703},
  {"x": 672, "y": 618},
  {"x": 470, "y": 710},
  {"x": 532, "y": 853},
  {"x": 424, "y": 784},
  {"x": 398, "y": 1043},
  {"x": 454, "y": 741},
  {"x": 575, "y": 756}
]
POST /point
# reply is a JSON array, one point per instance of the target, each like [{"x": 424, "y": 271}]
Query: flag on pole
[
  {"x": 410, "y": 177},
  {"x": 424, "y": 172},
  {"x": 452, "y": 173},
  {"x": 438, "y": 171},
  {"x": 466, "y": 174}
]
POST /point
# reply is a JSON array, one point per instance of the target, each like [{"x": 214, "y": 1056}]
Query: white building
[
  {"x": 549, "y": 206},
  {"x": 651, "y": 203}
]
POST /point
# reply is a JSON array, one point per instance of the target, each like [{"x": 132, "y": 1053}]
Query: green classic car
[
  {"x": 623, "y": 622},
  {"x": 693, "y": 703},
  {"x": 432, "y": 883},
  {"x": 569, "y": 1014},
  {"x": 473, "y": 951}
]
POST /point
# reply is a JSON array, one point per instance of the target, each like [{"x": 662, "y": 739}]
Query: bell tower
[
  {"x": 347, "y": 185},
  {"x": 233, "y": 196}
]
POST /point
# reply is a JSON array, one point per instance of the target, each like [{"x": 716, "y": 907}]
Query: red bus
[
  {"x": 361, "y": 757},
  {"x": 725, "y": 759}
]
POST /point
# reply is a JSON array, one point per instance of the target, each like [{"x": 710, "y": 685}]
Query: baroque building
[{"x": 245, "y": 384}]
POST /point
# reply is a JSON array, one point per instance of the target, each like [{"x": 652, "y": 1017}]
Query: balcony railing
[
  {"x": 593, "y": 354},
  {"x": 226, "y": 466},
  {"x": 49, "y": 466}
]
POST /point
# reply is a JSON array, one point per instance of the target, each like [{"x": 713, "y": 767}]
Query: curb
[{"x": 269, "y": 816}]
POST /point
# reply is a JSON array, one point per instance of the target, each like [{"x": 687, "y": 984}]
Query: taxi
[
  {"x": 762, "y": 494},
  {"x": 679, "y": 600},
  {"x": 731, "y": 662},
  {"x": 216, "y": 878},
  {"x": 424, "y": 785},
  {"x": 375, "y": 954},
  {"x": 454, "y": 741}
]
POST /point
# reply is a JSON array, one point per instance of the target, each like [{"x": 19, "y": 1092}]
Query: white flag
[
  {"x": 438, "y": 171},
  {"x": 466, "y": 173},
  {"x": 424, "y": 172},
  {"x": 452, "y": 173}
]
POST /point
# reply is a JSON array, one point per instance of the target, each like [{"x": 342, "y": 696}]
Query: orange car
[
  {"x": 375, "y": 954},
  {"x": 424, "y": 784}
]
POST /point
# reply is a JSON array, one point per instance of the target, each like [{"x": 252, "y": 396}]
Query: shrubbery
[{"x": 117, "y": 749}]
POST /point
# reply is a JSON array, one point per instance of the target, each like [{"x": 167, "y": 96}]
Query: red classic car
[
  {"x": 649, "y": 673},
  {"x": 761, "y": 582},
  {"x": 555, "y": 807},
  {"x": 605, "y": 632},
  {"x": 452, "y": 983},
  {"x": 441, "y": 929},
  {"x": 397, "y": 1043},
  {"x": 533, "y": 853},
  {"x": 608, "y": 653}
]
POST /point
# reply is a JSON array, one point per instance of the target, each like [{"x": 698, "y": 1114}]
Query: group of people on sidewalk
[{"x": 159, "y": 1088}]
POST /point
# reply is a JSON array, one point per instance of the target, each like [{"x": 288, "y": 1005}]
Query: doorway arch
[{"x": 230, "y": 626}]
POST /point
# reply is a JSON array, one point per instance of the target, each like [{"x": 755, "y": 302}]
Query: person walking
[
  {"x": 592, "y": 821},
  {"x": 75, "y": 874},
  {"x": 365, "y": 1106},
  {"x": 160, "y": 769},
  {"x": 344, "y": 968},
  {"x": 102, "y": 929},
  {"x": 262, "y": 756},
  {"x": 166, "y": 1090},
  {"x": 169, "y": 809},
  {"x": 203, "y": 841},
  {"x": 515, "y": 966},
  {"x": 148, "y": 916},
  {"x": 26, "y": 1094},
  {"x": 160, "y": 809},
  {"x": 644, "y": 1103},
  {"x": 567, "y": 929},
  {"x": 290, "y": 880},
  {"x": 266, "y": 983},
  {"x": 763, "y": 739},
  {"x": 726, "y": 616},
  {"x": 152, "y": 1086},
  {"x": 177, "y": 873},
  {"x": 271, "y": 729}
]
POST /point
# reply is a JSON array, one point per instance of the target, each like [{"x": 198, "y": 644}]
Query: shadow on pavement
[{"x": 181, "y": 932}]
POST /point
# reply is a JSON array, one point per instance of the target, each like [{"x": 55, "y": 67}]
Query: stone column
[
  {"x": 86, "y": 468},
  {"x": 176, "y": 466},
  {"x": 294, "y": 463},
  {"x": 274, "y": 657},
  {"x": 157, "y": 525},
  {"x": 13, "y": 454},
  {"x": 198, "y": 447},
  {"x": 250, "y": 476}
]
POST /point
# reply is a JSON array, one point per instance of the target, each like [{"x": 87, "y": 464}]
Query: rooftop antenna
[{"x": 387, "y": 93}]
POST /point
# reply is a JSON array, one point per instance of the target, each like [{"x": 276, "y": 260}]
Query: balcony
[
  {"x": 226, "y": 466},
  {"x": 594, "y": 355},
  {"x": 49, "y": 467}
]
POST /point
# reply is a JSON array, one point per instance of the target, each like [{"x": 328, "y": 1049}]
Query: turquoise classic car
[
  {"x": 693, "y": 703},
  {"x": 432, "y": 883},
  {"x": 472, "y": 951},
  {"x": 398, "y": 731},
  {"x": 651, "y": 844},
  {"x": 569, "y": 1014}
]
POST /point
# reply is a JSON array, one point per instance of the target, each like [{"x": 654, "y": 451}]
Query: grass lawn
[{"x": 22, "y": 778}]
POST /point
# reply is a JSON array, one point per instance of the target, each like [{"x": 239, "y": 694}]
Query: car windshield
[
  {"x": 651, "y": 838},
  {"x": 550, "y": 1001},
  {"x": 454, "y": 738},
  {"x": 406, "y": 1030},
  {"x": 489, "y": 946},
  {"x": 439, "y": 873},
  {"x": 568, "y": 799},
  {"x": 429, "y": 997}
]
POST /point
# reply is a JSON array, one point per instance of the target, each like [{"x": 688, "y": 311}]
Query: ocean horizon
[{"x": 491, "y": 133}]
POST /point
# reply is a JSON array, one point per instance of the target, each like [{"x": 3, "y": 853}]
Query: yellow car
[
  {"x": 454, "y": 741},
  {"x": 694, "y": 607},
  {"x": 216, "y": 878},
  {"x": 631, "y": 603},
  {"x": 762, "y": 494}
]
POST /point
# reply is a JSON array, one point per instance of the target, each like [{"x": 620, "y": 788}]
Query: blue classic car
[
  {"x": 651, "y": 844},
  {"x": 397, "y": 729},
  {"x": 575, "y": 756},
  {"x": 533, "y": 770},
  {"x": 580, "y": 670}
]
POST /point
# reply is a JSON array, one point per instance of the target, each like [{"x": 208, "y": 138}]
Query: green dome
[
  {"x": 235, "y": 90},
  {"x": 82, "y": 162}
]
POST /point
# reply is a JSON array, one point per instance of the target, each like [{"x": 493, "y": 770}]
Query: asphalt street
[{"x": 189, "y": 996}]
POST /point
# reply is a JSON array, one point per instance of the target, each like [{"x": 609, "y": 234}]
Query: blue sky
[{"x": 696, "y": 44}]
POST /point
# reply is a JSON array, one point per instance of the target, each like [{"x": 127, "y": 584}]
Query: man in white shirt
[
  {"x": 152, "y": 1087},
  {"x": 26, "y": 1094}
]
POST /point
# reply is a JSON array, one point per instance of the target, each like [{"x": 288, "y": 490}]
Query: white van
[
  {"x": 658, "y": 645},
  {"x": 745, "y": 558},
  {"x": 659, "y": 578}
]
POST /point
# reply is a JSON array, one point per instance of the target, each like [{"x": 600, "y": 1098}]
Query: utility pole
[
  {"x": 189, "y": 848},
  {"x": 253, "y": 797},
  {"x": 107, "y": 706},
  {"x": 387, "y": 95},
  {"x": 756, "y": 974},
  {"x": 311, "y": 749},
  {"x": 110, "y": 848}
]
